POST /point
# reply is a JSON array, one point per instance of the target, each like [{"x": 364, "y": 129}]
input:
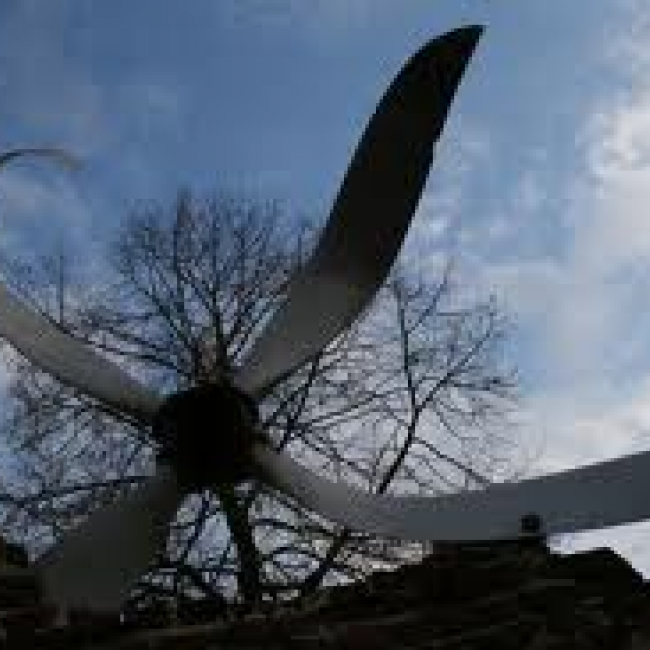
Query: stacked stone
[
  {"x": 511, "y": 595},
  {"x": 21, "y": 607}
]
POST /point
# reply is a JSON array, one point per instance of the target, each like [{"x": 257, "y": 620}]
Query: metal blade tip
[{"x": 468, "y": 33}]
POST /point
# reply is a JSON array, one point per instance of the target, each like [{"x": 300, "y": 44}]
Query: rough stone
[{"x": 508, "y": 595}]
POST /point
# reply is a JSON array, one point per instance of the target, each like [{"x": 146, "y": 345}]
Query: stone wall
[{"x": 518, "y": 596}]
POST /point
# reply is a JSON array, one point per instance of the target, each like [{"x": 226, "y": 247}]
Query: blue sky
[{"x": 539, "y": 189}]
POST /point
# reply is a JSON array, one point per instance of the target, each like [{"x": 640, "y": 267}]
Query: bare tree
[{"x": 414, "y": 398}]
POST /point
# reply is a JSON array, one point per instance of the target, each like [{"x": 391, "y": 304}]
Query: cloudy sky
[{"x": 539, "y": 191}]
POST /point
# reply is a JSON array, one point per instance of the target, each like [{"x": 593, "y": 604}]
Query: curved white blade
[
  {"x": 71, "y": 361},
  {"x": 98, "y": 563},
  {"x": 371, "y": 214},
  {"x": 595, "y": 496}
]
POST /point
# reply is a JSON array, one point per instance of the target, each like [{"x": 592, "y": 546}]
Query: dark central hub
[{"x": 206, "y": 433}]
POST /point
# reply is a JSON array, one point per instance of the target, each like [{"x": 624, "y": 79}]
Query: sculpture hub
[{"x": 206, "y": 433}]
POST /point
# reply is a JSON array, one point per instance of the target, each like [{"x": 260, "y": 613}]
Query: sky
[{"x": 538, "y": 191}]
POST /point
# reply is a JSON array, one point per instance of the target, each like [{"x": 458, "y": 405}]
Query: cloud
[
  {"x": 577, "y": 430},
  {"x": 464, "y": 149},
  {"x": 581, "y": 296},
  {"x": 57, "y": 90},
  {"x": 567, "y": 247},
  {"x": 318, "y": 17},
  {"x": 45, "y": 89},
  {"x": 37, "y": 208},
  {"x": 571, "y": 253}
]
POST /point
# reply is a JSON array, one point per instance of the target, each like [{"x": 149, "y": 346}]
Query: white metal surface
[
  {"x": 97, "y": 563},
  {"x": 595, "y": 496},
  {"x": 55, "y": 352},
  {"x": 71, "y": 361},
  {"x": 370, "y": 216}
]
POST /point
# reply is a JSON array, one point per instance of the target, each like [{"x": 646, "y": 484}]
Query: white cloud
[
  {"x": 585, "y": 295},
  {"x": 64, "y": 96},
  {"x": 571, "y": 257},
  {"x": 530, "y": 194},
  {"x": 578, "y": 430},
  {"x": 463, "y": 149},
  {"x": 44, "y": 89},
  {"x": 27, "y": 198},
  {"x": 319, "y": 17},
  {"x": 583, "y": 302}
]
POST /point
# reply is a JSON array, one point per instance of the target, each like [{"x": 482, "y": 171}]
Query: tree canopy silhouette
[{"x": 414, "y": 398}]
